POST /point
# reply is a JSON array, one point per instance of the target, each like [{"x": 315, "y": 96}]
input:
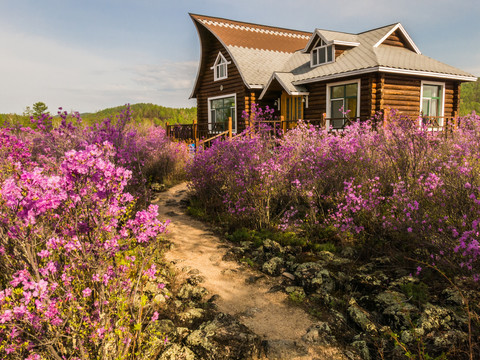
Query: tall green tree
[{"x": 39, "y": 108}]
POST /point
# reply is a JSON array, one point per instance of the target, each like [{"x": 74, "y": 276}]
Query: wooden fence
[{"x": 203, "y": 134}]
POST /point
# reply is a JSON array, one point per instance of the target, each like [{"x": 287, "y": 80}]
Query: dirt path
[{"x": 265, "y": 312}]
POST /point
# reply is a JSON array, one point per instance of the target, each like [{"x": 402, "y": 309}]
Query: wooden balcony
[{"x": 204, "y": 134}]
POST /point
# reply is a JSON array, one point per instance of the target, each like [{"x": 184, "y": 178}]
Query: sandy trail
[{"x": 242, "y": 292}]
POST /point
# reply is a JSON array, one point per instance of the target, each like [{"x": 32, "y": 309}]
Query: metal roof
[{"x": 263, "y": 53}]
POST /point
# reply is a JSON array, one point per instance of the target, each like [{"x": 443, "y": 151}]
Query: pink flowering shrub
[
  {"x": 397, "y": 184},
  {"x": 73, "y": 257},
  {"x": 146, "y": 151}
]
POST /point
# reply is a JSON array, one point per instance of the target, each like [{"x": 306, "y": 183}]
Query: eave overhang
[
  {"x": 387, "y": 70},
  {"x": 404, "y": 33},
  {"x": 197, "y": 23},
  {"x": 299, "y": 90}
]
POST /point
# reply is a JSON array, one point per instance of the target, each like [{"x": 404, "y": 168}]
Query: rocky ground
[{"x": 331, "y": 306}]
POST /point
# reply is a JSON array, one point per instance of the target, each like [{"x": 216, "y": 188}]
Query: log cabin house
[{"x": 314, "y": 75}]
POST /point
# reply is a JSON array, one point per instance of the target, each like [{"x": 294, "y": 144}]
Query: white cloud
[{"x": 35, "y": 68}]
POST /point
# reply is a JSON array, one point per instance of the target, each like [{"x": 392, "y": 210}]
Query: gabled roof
[{"x": 266, "y": 54}]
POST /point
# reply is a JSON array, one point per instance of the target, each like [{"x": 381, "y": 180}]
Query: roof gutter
[{"x": 386, "y": 70}]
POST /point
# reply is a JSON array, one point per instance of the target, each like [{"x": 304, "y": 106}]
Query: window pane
[
  {"x": 351, "y": 90},
  {"x": 315, "y": 57},
  {"x": 430, "y": 91},
  {"x": 338, "y": 92},
  {"x": 336, "y": 105},
  {"x": 321, "y": 53},
  {"x": 352, "y": 106},
  {"x": 434, "y": 107},
  {"x": 330, "y": 53},
  {"x": 426, "y": 107},
  {"x": 216, "y": 104}
]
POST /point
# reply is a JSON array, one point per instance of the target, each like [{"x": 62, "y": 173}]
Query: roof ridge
[
  {"x": 335, "y": 31},
  {"x": 378, "y": 28},
  {"x": 251, "y": 23}
]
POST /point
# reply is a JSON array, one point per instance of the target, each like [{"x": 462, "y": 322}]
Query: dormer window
[
  {"x": 220, "y": 68},
  {"x": 322, "y": 53}
]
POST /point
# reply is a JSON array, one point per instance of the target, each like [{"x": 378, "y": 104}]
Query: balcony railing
[{"x": 203, "y": 134}]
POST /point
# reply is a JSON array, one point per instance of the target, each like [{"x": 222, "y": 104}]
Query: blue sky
[{"x": 87, "y": 55}]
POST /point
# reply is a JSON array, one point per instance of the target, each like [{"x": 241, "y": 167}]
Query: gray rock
[
  {"x": 158, "y": 187},
  {"x": 291, "y": 289},
  {"x": 403, "y": 281},
  {"x": 449, "y": 339},
  {"x": 349, "y": 252},
  {"x": 176, "y": 352},
  {"x": 195, "y": 280},
  {"x": 273, "y": 266},
  {"x": 409, "y": 336},
  {"x": 452, "y": 297},
  {"x": 164, "y": 331},
  {"x": 189, "y": 316},
  {"x": 372, "y": 280},
  {"x": 182, "y": 332},
  {"x": 224, "y": 338},
  {"x": 323, "y": 281},
  {"x": 272, "y": 248},
  {"x": 319, "y": 333},
  {"x": 325, "y": 256},
  {"x": 190, "y": 292},
  {"x": 361, "y": 317},
  {"x": 436, "y": 317},
  {"x": 339, "y": 261},
  {"x": 288, "y": 275},
  {"x": 362, "y": 348},
  {"x": 396, "y": 308}
]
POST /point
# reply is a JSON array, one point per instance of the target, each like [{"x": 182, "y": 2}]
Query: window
[
  {"x": 342, "y": 103},
  {"x": 220, "y": 68},
  {"x": 433, "y": 95},
  {"x": 322, "y": 53},
  {"x": 219, "y": 110}
]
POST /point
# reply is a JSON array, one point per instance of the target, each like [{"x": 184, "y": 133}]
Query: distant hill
[
  {"x": 146, "y": 113},
  {"x": 470, "y": 98},
  {"x": 141, "y": 113}
]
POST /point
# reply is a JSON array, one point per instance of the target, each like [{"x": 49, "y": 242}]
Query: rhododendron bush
[
  {"x": 74, "y": 254},
  {"x": 397, "y": 184}
]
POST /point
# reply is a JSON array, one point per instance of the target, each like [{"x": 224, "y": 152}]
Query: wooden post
[
  {"x": 230, "y": 127},
  {"x": 167, "y": 128},
  {"x": 248, "y": 111},
  {"x": 284, "y": 124},
  {"x": 195, "y": 133},
  {"x": 323, "y": 120},
  {"x": 385, "y": 116}
]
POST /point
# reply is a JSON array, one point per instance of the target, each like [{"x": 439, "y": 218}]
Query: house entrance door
[{"x": 291, "y": 107}]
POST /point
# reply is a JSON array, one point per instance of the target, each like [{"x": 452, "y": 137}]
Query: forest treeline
[
  {"x": 159, "y": 115},
  {"x": 141, "y": 113},
  {"x": 470, "y": 98}
]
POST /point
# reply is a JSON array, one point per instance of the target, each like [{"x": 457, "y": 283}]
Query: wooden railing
[
  {"x": 200, "y": 134},
  {"x": 203, "y": 134}
]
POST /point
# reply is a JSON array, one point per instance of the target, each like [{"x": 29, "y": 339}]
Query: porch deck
[{"x": 203, "y": 134}]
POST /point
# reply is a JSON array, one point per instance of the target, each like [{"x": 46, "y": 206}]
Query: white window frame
[
  {"x": 325, "y": 45},
  {"x": 442, "y": 96},
  {"x": 209, "y": 100},
  {"x": 346, "y": 82},
  {"x": 220, "y": 61}
]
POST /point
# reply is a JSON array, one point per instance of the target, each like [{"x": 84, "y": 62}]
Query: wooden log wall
[
  {"x": 317, "y": 100},
  {"x": 207, "y": 87},
  {"x": 395, "y": 39},
  {"x": 379, "y": 91},
  {"x": 402, "y": 92}
]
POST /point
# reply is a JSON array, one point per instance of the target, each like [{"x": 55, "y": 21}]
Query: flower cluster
[
  {"x": 74, "y": 255},
  {"x": 398, "y": 182}
]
